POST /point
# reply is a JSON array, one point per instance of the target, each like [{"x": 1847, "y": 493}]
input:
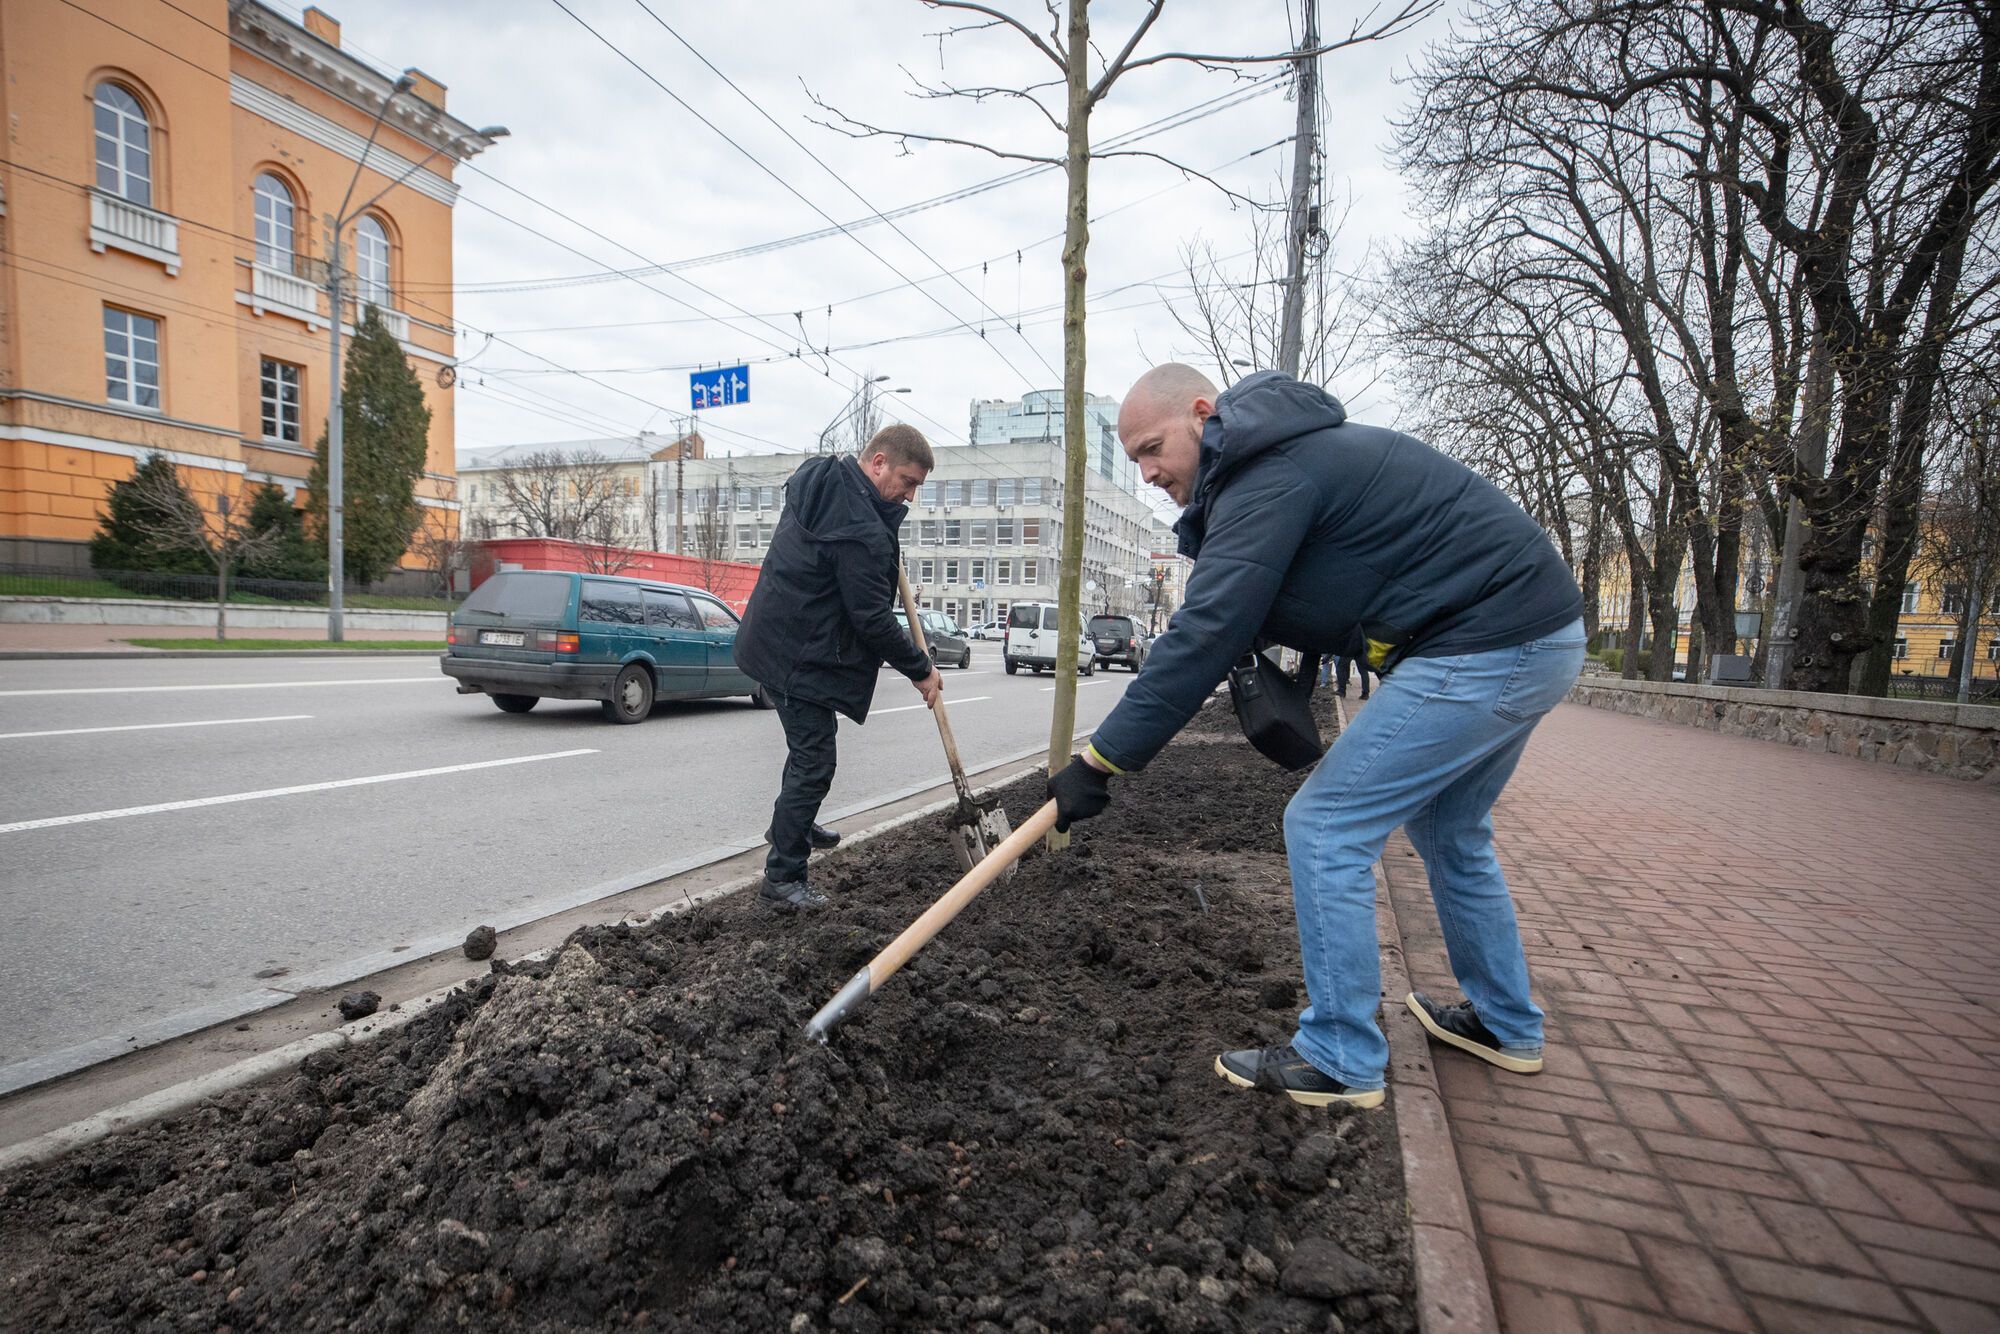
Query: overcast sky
[{"x": 594, "y": 138}]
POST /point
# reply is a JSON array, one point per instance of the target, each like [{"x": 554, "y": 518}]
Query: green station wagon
[{"x": 528, "y": 635}]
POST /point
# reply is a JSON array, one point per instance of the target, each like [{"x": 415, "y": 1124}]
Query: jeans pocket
[{"x": 1542, "y": 675}]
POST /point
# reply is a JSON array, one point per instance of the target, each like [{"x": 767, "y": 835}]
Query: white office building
[{"x": 1038, "y": 416}]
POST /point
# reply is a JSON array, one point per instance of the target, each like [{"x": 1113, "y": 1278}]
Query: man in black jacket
[
  {"x": 820, "y": 624},
  {"x": 1309, "y": 530}
]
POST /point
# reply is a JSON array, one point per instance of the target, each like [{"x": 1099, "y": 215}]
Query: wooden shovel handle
[
  {"x": 958, "y": 779},
  {"x": 918, "y": 933}
]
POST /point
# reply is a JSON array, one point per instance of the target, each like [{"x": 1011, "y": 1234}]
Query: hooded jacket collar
[
  {"x": 1252, "y": 417},
  {"x": 834, "y": 501}
]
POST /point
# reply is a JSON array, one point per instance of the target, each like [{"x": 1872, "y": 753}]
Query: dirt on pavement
[{"x": 1021, "y": 1131}]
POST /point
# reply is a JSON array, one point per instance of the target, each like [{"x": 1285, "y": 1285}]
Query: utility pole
[{"x": 1304, "y": 219}]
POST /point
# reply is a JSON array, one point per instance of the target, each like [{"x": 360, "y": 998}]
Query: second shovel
[{"x": 976, "y": 827}]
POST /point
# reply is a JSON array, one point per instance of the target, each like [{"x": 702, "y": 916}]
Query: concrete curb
[
  {"x": 180, "y": 1097},
  {"x": 1454, "y": 1291}
]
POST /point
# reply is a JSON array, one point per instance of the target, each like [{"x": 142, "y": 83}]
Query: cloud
[{"x": 592, "y": 137}]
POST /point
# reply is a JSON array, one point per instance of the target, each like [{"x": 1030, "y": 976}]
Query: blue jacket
[{"x": 1331, "y": 537}]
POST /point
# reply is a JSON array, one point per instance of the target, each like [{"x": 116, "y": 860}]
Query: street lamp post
[{"x": 336, "y": 463}]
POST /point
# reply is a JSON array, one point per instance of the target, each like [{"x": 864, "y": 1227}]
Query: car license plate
[{"x": 503, "y": 638}]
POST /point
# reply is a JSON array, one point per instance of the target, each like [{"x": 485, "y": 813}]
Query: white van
[{"x": 1033, "y": 640}]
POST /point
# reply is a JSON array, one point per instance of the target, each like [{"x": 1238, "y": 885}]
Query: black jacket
[
  {"x": 820, "y": 623},
  {"x": 1312, "y": 531}
]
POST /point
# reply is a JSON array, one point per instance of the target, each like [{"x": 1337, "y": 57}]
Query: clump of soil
[
  {"x": 1021, "y": 1131},
  {"x": 359, "y": 1004},
  {"x": 479, "y": 943}
]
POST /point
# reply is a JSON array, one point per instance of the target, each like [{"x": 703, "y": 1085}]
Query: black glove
[{"x": 1080, "y": 790}]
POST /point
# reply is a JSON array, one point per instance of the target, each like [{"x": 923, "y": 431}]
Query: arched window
[
  {"x": 371, "y": 263},
  {"x": 124, "y": 145},
  {"x": 274, "y": 223}
]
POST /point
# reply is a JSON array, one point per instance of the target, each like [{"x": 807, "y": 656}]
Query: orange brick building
[{"x": 167, "y": 180}]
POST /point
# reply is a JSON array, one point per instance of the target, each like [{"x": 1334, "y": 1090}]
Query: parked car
[
  {"x": 529, "y": 635},
  {"x": 1119, "y": 639},
  {"x": 948, "y": 644},
  {"x": 990, "y": 630},
  {"x": 1034, "y": 641}
]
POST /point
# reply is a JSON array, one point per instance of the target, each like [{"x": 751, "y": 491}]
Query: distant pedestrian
[
  {"x": 1328, "y": 536},
  {"x": 821, "y": 623},
  {"x": 1340, "y": 677}
]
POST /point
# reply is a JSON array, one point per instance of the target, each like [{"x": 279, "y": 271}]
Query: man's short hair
[{"x": 902, "y": 444}]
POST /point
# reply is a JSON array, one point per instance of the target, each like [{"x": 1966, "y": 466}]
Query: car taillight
[
  {"x": 450, "y": 634},
  {"x": 549, "y": 641}
]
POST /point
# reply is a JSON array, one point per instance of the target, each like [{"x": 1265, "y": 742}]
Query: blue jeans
[{"x": 1430, "y": 753}]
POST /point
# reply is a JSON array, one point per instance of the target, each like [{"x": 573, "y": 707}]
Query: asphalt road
[{"x": 177, "y": 835}]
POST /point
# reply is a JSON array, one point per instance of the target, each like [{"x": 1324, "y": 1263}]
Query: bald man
[{"x": 1332, "y": 537}]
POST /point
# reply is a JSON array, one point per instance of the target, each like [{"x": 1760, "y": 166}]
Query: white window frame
[
  {"x": 951, "y": 570},
  {"x": 277, "y": 216},
  {"x": 1911, "y": 591},
  {"x": 954, "y": 533},
  {"x": 1031, "y": 571},
  {"x": 1945, "y": 646},
  {"x": 124, "y": 359},
  {"x": 1902, "y": 649},
  {"x": 279, "y": 384},
  {"x": 371, "y": 263},
  {"x": 130, "y": 167},
  {"x": 1003, "y": 571},
  {"x": 976, "y": 571},
  {"x": 927, "y": 570},
  {"x": 1031, "y": 532},
  {"x": 1031, "y": 490}
]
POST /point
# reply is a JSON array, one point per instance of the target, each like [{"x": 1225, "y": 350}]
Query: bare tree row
[{"x": 1698, "y": 279}]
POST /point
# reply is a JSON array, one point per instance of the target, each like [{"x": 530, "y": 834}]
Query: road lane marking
[
  {"x": 149, "y": 727},
  {"x": 905, "y": 708},
  {"x": 234, "y": 685},
  {"x": 89, "y": 816},
  {"x": 1079, "y": 685}
]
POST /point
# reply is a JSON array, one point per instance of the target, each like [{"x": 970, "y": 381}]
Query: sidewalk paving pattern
[{"x": 1772, "y": 1098}]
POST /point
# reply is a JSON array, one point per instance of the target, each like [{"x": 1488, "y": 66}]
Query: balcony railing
[
  {"x": 395, "y": 321},
  {"x": 286, "y": 293},
  {"x": 120, "y": 224}
]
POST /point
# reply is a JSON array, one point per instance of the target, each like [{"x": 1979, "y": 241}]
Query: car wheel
[
  {"x": 631, "y": 695},
  {"x": 1012, "y": 666},
  {"x": 965, "y": 663},
  {"x": 515, "y": 703},
  {"x": 1088, "y": 668},
  {"x": 760, "y": 699}
]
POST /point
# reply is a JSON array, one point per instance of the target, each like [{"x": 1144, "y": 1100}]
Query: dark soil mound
[{"x": 1021, "y": 1131}]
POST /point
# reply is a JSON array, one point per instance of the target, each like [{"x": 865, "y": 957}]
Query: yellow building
[
  {"x": 1926, "y": 630},
  {"x": 168, "y": 177}
]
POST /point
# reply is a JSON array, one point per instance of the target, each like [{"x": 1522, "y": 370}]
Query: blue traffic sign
[{"x": 719, "y": 388}]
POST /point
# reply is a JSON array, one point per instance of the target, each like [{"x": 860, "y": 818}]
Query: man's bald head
[
  {"x": 1160, "y": 425},
  {"x": 1172, "y": 385}
]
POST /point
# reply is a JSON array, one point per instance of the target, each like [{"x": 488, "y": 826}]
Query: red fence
[{"x": 727, "y": 579}]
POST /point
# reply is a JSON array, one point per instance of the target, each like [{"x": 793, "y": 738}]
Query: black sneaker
[
  {"x": 1283, "y": 1070},
  {"x": 1459, "y": 1026},
  {"x": 819, "y": 837},
  {"x": 794, "y": 896}
]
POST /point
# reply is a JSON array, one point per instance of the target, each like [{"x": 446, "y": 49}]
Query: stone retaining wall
[
  {"x": 242, "y": 615},
  {"x": 1956, "y": 740}
]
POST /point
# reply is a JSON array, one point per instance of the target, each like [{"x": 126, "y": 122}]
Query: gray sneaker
[
  {"x": 1458, "y": 1026},
  {"x": 793, "y": 896},
  {"x": 1283, "y": 1070}
]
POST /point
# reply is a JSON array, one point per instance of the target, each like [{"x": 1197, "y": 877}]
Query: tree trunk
[
  {"x": 1901, "y": 501},
  {"x": 1809, "y": 465},
  {"x": 1968, "y": 637},
  {"x": 1076, "y": 244},
  {"x": 1635, "y": 630},
  {"x": 222, "y": 600},
  {"x": 1592, "y": 571}
]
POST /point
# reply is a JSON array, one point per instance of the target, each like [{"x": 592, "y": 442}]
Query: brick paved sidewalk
[{"x": 1772, "y": 1098}]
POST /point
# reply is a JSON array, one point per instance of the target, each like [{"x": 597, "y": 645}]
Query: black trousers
[
  {"x": 809, "y": 762},
  {"x": 1340, "y": 674}
]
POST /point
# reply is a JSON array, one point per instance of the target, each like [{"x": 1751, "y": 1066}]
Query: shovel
[
  {"x": 977, "y": 828},
  {"x": 918, "y": 933}
]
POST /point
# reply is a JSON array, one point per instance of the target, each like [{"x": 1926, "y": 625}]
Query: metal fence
[
  {"x": 1985, "y": 689},
  {"x": 17, "y": 580}
]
